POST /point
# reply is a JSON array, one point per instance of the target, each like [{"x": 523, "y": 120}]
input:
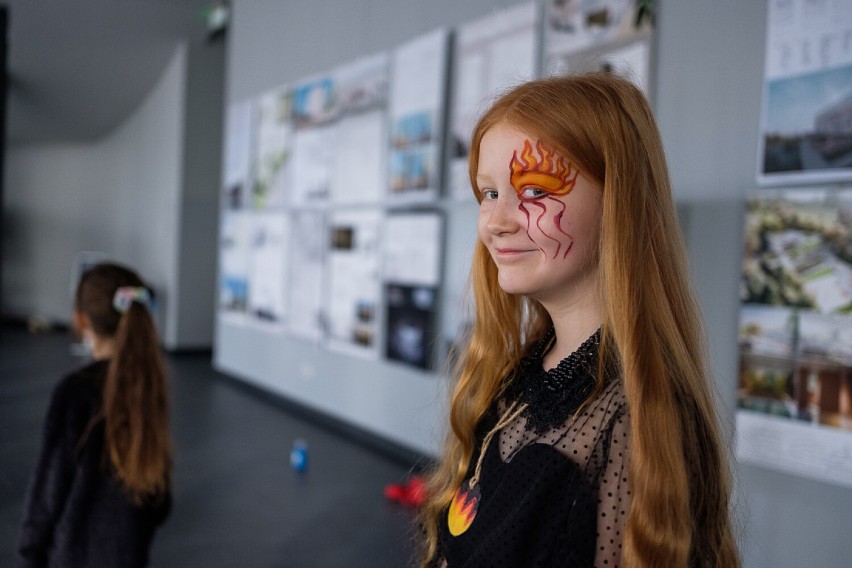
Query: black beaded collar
[{"x": 553, "y": 396}]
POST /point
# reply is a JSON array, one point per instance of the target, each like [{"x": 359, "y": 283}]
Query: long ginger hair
[
  {"x": 135, "y": 393},
  {"x": 678, "y": 471}
]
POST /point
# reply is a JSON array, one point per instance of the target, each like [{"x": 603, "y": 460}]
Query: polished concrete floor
[{"x": 237, "y": 500}]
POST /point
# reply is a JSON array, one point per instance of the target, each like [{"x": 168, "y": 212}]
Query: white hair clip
[{"x": 126, "y": 295}]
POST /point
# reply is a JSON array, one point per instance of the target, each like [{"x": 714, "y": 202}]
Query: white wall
[
  {"x": 147, "y": 152},
  {"x": 49, "y": 192},
  {"x": 119, "y": 195},
  {"x": 709, "y": 77},
  {"x": 146, "y": 194},
  {"x": 707, "y": 98}
]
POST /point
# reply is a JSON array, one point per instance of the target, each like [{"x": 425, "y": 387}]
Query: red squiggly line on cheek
[
  {"x": 557, "y": 220},
  {"x": 522, "y": 207},
  {"x": 541, "y": 229}
]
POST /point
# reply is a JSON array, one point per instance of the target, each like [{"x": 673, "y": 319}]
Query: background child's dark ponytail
[{"x": 135, "y": 392}]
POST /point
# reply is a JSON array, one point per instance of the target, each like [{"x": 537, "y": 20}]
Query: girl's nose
[{"x": 504, "y": 216}]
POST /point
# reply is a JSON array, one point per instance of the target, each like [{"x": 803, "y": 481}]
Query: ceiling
[{"x": 77, "y": 69}]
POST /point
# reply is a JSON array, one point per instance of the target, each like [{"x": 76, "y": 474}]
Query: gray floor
[{"x": 237, "y": 500}]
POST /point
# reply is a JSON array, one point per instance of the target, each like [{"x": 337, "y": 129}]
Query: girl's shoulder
[
  {"x": 606, "y": 412},
  {"x": 80, "y": 387}
]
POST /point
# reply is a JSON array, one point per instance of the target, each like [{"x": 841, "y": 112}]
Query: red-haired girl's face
[{"x": 539, "y": 217}]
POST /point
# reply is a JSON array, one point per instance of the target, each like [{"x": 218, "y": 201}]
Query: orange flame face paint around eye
[
  {"x": 552, "y": 172},
  {"x": 463, "y": 509}
]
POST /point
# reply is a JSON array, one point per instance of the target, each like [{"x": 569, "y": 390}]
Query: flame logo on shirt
[
  {"x": 552, "y": 173},
  {"x": 463, "y": 509}
]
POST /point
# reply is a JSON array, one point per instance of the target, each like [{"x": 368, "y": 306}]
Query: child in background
[{"x": 102, "y": 483}]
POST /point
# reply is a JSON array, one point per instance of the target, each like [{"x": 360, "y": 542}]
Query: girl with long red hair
[{"x": 583, "y": 431}]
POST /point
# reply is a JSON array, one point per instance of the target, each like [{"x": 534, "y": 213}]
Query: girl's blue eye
[
  {"x": 489, "y": 194},
  {"x": 533, "y": 193}
]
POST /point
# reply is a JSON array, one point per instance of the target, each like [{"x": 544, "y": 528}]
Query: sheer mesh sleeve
[
  {"x": 613, "y": 493},
  {"x": 599, "y": 441}
]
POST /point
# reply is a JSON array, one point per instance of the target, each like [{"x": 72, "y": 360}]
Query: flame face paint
[
  {"x": 463, "y": 509},
  {"x": 539, "y": 217},
  {"x": 539, "y": 182}
]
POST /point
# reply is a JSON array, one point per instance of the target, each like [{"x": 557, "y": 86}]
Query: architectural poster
[
  {"x": 354, "y": 295},
  {"x": 305, "y": 288},
  {"x": 418, "y": 81},
  {"x": 806, "y": 121},
  {"x": 412, "y": 274},
  {"x": 271, "y": 174},
  {"x": 795, "y": 373},
  {"x": 598, "y": 35},
  {"x": 267, "y": 266},
  {"x": 360, "y": 168},
  {"x": 234, "y": 253},
  {"x": 490, "y": 54},
  {"x": 236, "y": 171}
]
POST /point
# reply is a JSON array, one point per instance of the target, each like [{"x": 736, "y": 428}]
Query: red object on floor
[{"x": 411, "y": 493}]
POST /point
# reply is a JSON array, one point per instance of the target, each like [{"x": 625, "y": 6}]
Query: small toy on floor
[{"x": 411, "y": 493}]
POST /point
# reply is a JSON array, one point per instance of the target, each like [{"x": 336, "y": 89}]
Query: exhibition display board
[
  {"x": 795, "y": 371},
  {"x": 338, "y": 192}
]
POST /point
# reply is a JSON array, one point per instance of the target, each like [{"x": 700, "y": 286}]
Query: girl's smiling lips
[{"x": 507, "y": 252}]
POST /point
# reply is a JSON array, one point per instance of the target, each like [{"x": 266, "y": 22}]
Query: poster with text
[
  {"x": 360, "y": 167},
  {"x": 795, "y": 373},
  {"x": 412, "y": 248},
  {"x": 411, "y": 269},
  {"x": 273, "y": 149},
  {"x": 236, "y": 170},
  {"x": 806, "y": 121},
  {"x": 491, "y": 54},
  {"x": 410, "y": 325},
  {"x": 314, "y": 154},
  {"x": 598, "y": 35},
  {"x": 362, "y": 85},
  {"x": 307, "y": 249},
  {"x": 267, "y": 267},
  {"x": 234, "y": 252},
  {"x": 354, "y": 291},
  {"x": 418, "y": 80}
]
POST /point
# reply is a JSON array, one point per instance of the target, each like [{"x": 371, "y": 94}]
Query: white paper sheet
[
  {"x": 237, "y": 155},
  {"x": 307, "y": 246},
  {"x": 267, "y": 267},
  {"x": 354, "y": 296},
  {"x": 360, "y": 167},
  {"x": 418, "y": 78},
  {"x": 492, "y": 54},
  {"x": 412, "y": 249},
  {"x": 234, "y": 262},
  {"x": 314, "y": 154}
]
